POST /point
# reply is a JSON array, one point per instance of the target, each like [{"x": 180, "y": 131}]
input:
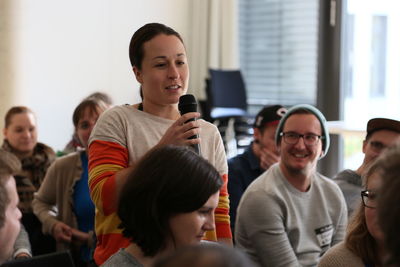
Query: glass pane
[
  {"x": 371, "y": 57},
  {"x": 278, "y": 50}
]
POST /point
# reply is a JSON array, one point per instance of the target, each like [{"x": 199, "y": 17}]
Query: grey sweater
[{"x": 277, "y": 225}]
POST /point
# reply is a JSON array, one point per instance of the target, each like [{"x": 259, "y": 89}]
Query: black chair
[
  {"x": 227, "y": 105},
  {"x": 57, "y": 259}
]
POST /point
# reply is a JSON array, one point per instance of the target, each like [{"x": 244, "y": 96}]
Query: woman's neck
[
  {"x": 170, "y": 112},
  {"x": 21, "y": 155}
]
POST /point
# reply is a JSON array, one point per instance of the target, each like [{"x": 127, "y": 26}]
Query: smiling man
[
  {"x": 381, "y": 134},
  {"x": 291, "y": 214}
]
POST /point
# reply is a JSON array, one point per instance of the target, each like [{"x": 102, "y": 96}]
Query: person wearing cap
[
  {"x": 292, "y": 214},
  {"x": 258, "y": 157},
  {"x": 381, "y": 134}
]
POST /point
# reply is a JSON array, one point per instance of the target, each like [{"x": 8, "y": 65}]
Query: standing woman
[
  {"x": 125, "y": 133},
  {"x": 66, "y": 187},
  {"x": 20, "y": 138}
]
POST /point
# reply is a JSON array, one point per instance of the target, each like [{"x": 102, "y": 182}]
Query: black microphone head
[{"x": 187, "y": 103}]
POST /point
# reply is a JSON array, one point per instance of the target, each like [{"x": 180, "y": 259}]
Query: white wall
[{"x": 56, "y": 52}]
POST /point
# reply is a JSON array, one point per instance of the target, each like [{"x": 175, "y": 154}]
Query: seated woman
[
  {"x": 20, "y": 138},
  {"x": 66, "y": 187},
  {"x": 167, "y": 202},
  {"x": 363, "y": 245}
]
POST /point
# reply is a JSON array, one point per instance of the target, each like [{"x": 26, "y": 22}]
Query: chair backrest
[
  {"x": 58, "y": 259},
  {"x": 226, "y": 93}
]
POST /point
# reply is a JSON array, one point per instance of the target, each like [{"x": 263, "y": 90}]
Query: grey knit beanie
[{"x": 317, "y": 113}]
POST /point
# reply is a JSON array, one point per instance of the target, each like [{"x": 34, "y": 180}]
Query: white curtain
[{"x": 213, "y": 40}]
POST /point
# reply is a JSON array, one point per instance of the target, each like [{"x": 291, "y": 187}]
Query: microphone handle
[{"x": 196, "y": 147}]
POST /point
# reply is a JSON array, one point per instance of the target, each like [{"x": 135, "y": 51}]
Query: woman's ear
[{"x": 138, "y": 74}]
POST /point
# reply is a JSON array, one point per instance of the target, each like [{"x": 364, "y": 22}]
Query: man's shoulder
[
  {"x": 348, "y": 178},
  {"x": 267, "y": 183}
]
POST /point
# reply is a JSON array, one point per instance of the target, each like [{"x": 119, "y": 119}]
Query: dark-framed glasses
[
  {"x": 292, "y": 138},
  {"x": 369, "y": 198}
]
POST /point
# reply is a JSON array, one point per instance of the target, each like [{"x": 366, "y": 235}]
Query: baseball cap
[
  {"x": 377, "y": 124},
  {"x": 269, "y": 114}
]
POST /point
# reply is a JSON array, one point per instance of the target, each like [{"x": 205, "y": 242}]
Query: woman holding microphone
[{"x": 125, "y": 133}]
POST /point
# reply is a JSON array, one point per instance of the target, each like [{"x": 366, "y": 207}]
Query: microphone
[{"x": 187, "y": 103}]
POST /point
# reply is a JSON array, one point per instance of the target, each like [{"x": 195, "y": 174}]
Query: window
[
  {"x": 378, "y": 55},
  {"x": 278, "y": 50}
]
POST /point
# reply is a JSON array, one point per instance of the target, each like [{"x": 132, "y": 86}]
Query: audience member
[
  {"x": 205, "y": 255},
  {"x": 364, "y": 241},
  {"x": 258, "y": 157},
  {"x": 125, "y": 133},
  {"x": 167, "y": 202},
  {"x": 10, "y": 215},
  {"x": 381, "y": 133},
  {"x": 75, "y": 144},
  {"x": 100, "y": 96},
  {"x": 66, "y": 187},
  {"x": 20, "y": 138},
  {"x": 291, "y": 214},
  {"x": 388, "y": 205}
]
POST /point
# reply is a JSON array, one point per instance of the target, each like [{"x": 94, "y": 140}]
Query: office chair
[{"x": 227, "y": 106}]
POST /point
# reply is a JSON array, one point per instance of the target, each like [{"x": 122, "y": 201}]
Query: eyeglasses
[
  {"x": 377, "y": 146},
  {"x": 292, "y": 138},
  {"x": 369, "y": 199}
]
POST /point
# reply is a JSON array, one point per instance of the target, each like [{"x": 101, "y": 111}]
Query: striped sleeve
[
  {"x": 222, "y": 221},
  {"x": 105, "y": 159}
]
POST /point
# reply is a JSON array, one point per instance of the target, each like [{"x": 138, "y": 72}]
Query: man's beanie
[
  {"x": 325, "y": 133},
  {"x": 269, "y": 115}
]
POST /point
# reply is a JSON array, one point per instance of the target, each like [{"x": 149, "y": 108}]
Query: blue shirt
[
  {"x": 243, "y": 169},
  {"x": 83, "y": 205}
]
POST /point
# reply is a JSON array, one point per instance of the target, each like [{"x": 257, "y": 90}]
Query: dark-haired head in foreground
[
  {"x": 9, "y": 212},
  {"x": 168, "y": 201}
]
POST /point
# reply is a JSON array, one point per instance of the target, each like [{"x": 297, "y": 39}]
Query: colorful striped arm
[
  {"x": 222, "y": 221},
  {"x": 105, "y": 159}
]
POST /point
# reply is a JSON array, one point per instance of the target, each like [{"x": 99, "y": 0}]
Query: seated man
[
  {"x": 381, "y": 133},
  {"x": 291, "y": 214},
  {"x": 10, "y": 215},
  {"x": 258, "y": 157}
]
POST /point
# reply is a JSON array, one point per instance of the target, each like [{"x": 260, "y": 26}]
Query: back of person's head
[
  {"x": 101, "y": 96},
  {"x": 205, "y": 255},
  {"x": 144, "y": 34},
  {"x": 9, "y": 165},
  {"x": 9, "y": 225},
  {"x": 388, "y": 203},
  {"x": 14, "y": 111},
  {"x": 167, "y": 181},
  {"x": 95, "y": 106}
]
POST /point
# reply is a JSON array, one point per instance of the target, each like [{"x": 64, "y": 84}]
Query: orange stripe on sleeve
[
  {"x": 105, "y": 159},
  {"x": 222, "y": 222}
]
